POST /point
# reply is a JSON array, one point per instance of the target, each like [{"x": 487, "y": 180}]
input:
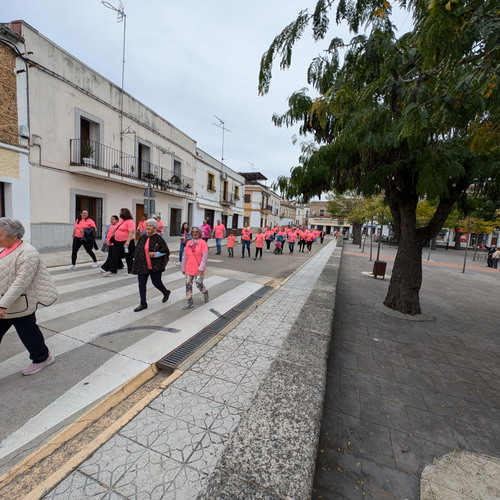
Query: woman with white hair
[
  {"x": 151, "y": 258},
  {"x": 24, "y": 283}
]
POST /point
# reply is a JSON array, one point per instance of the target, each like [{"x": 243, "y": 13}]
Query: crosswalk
[{"x": 94, "y": 333}]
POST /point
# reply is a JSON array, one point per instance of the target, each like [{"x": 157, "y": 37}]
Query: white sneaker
[
  {"x": 178, "y": 264},
  {"x": 71, "y": 268},
  {"x": 95, "y": 264}
]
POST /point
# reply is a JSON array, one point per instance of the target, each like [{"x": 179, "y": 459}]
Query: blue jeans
[
  {"x": 181, "y": 251},
  {"x": 218, "y": 242},
  {"x": 245, "y": 243},
  {"x": 291, "y": 246}
]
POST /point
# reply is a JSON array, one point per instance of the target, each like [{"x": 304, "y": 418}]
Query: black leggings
[
  {"x": 257, "y": 252},
  {"x": 77, "y": 243},
  {"x": 155, "y": 279}
]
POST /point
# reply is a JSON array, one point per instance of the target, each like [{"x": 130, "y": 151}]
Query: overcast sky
[{"x": 188, "y": 61}]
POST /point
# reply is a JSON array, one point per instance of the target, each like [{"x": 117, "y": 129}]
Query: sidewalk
[
  {"x": 407, "y": 400},
  {"x": 220, "y": 429}
]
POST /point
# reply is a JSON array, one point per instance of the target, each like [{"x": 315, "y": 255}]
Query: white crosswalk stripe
[{"x": 131, "y": 360}]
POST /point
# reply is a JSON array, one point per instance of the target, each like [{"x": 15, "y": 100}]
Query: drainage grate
[{"x": 174, "y": 358}]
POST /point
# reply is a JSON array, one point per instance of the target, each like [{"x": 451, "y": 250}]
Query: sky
[{"x": 191, "y": 61}]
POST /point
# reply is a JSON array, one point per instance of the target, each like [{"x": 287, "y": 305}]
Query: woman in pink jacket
[{"x": 194, "y": 263}]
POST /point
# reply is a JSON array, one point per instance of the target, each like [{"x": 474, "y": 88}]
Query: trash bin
[{"x": 379, "y": 267}]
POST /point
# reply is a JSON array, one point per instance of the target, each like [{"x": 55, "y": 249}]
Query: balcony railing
[
  {"x": 105, "y": 159},
  {"x": 228, "y": 198}
]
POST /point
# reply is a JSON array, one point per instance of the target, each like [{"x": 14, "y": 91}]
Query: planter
[{"x": 379, "y": 267}]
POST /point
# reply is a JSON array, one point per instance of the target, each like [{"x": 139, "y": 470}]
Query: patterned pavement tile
[
  {"x": 232, "y": 372},
  {"x": 227, "y": 420},
  {"x": 191, "y": 408},
  {"x": 78, "y": 485},
  {"x": 186, "y": 486},
  {"x": 191, "y": 381},
  {"x": 146, "y": 426},
  {"x": 109, "y": 463},
  {"x": 178, "y": 440},
  {"x": 206, "y": 454},
  {"x": 149, "y": 478},
  {"x": 227, "y": 393}
]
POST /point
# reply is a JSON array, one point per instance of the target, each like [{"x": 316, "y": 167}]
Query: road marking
[{"x": 117, "y": 370}]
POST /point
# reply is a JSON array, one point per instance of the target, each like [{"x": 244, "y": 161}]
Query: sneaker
[
  {"x": 95, "y": 264},
  {"x": 36, "y": 367},
  {"x": 178, "y": 264},
  {"x": 71, "y": 268},
  {"x": 189, "y": 305},
  {"x": 205, "y": 296},
  {"x": 108, "y": 274},
  {"x": 103, "y": 271}
]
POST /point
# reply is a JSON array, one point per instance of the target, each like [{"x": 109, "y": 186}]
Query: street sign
[
  {"x": 149, "y": 193},
  {"x": 149, "y": 206}
]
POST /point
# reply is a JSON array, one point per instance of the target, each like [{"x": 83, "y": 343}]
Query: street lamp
[{"x": 120, "y": 16}]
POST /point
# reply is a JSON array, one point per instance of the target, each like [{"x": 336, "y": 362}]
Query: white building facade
[
  {"x": 219, "y": 193},
  {"x": 94, "y": 147}
]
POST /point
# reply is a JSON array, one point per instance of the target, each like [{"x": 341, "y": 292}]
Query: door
[
  {"x": 175, "y": 221},
  {"x": 139, "y": 213}
]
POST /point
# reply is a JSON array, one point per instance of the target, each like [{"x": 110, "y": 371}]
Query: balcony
[
  {"x": 104, "y": 161},
  {"x": 267, "y": 208},
  {"x": 227, "y": 199}
]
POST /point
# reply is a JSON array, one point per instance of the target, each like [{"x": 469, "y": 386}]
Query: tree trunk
[
  {"x": 356, "y": 233},
  {"x": 406, "y": 280},
  {"x": 457, "y": 239}
]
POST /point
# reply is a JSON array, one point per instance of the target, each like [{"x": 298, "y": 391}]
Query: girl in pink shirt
[
  {"x": 83, "y": 222},
  {"x": 246, "y": 239},
  {"x": 292, "y": 238},
  {"x": 194, "y": 262},
  {"x": 268, "y": 235},
  {"x": 259, "y": 243},
  {"x": 230, "y": 244}
]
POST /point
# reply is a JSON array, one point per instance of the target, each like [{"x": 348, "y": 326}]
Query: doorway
[
  {"x": 94, "y": 208},
  {"x": 175, "y": 221}
]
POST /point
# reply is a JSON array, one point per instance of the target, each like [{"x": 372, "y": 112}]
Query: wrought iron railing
[
  {"x": 228, "y": 198},
  {"x": 100, "y": 157}
]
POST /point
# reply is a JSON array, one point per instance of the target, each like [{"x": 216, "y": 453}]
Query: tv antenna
[{"x": 222, "y": 126}]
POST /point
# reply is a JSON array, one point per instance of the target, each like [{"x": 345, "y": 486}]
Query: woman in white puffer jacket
[{"x": 24, "y": 283}]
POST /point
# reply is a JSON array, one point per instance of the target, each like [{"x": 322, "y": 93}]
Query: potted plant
[
  {"x": 88, "y": 154},
  {"x": 116, "y": 168},
  {"x": 175, "y": 179},
  {"x": 148, "y": 177}
]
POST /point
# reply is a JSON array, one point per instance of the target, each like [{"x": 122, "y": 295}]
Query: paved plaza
[{"x": 402, "y": 393}]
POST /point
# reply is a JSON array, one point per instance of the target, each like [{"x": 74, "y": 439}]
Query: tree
[
  {"x": 352, "y": 207},
  {"x": 413, "y": 117}
]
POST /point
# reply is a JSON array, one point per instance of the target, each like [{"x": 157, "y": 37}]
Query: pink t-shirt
[
  {"x": 246, "y": 234},
  {"x": 205, "y": 230},
  {"x": 121, "y": 233},
  {"x": 230, "y": 241},
  {"x": 219, "y": 230},
  {"x": 193, "y": 259},
  {"x": 159, "y": 228},
  {"x": 259, "y": 240},
  {"x": 268, "y": 234},
  {"x": 142, "y": 226},
  {"x": 83, "y": 224},
  {"x": 292, "y": 236}
]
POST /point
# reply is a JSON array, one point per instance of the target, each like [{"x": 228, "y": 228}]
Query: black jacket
[{"x": 156, "y": 244}]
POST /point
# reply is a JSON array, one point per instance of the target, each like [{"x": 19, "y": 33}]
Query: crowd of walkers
[{"x": 25, "y": 282}]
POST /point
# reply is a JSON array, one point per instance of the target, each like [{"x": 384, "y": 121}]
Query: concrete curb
[{"x": 272, "y": 454}]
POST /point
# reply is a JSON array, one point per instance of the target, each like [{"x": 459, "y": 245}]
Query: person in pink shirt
[
  {"x": 292, "y": 238},
  {"x": 302, "y": 239},
  {"x": 123, "y": 241},
  {"x": 83, "y": 223},
  {"x": 219, "y": 234},
  {"x": 194, "y": 262},
  {"x": 113, "y": 221},
  {"x": 159, "y": 229},
  {"x": 269, "y": 236},
  {"x": 259, "y": 244},
  {"x": 141, "y": 227},
  {"x": 246, "y": 239},
  {"x": 231, "y": 239},
  {"x": 310, "y": 240},
  {"x": 206, "y": 230}
]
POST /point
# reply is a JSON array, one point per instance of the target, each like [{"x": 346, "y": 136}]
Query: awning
[{"x": 206, "y": 206}]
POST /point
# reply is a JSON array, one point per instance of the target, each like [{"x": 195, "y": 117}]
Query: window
[
  {"x": 225, "y": 189},
  {"x": 247, "y": 198},
  {"x": 211, "y": 182},
  {"x": 177, "y": 167},
  {"x": 237, "y": 192},
  {"x": 321, "y": 212}
]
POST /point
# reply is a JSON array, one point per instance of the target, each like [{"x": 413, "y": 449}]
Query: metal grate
[{"x": 174, "y": 358}]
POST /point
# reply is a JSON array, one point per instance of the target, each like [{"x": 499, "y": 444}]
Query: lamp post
[{"x": 120, "y": 16}]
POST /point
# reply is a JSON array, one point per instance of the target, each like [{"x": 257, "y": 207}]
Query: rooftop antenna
[{"x": 222, "y": 125}]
